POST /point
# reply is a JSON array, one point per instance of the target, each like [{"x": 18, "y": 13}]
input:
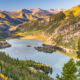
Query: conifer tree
[{"x": 69, "y": 71}]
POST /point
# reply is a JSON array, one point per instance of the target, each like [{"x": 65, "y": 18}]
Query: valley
[
  {"x": 28, "y": 35},
  {"x": 61, "y": 29}
]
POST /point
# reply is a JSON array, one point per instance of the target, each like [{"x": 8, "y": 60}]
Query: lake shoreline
[
  {"x": 68, "y": 52},
  {"x": 19, "y": 50},
  {"x": 4, "y": 44}
]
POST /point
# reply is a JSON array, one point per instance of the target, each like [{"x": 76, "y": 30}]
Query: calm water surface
[{"x": 20, "y": 50}]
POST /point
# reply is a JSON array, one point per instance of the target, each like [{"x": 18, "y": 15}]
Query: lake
[{"x": 20, "y": 50}]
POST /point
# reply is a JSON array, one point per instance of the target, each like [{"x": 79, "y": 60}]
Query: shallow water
[{"x": 20, "y": 50}]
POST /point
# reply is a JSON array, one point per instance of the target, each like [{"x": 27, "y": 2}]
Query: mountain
[
  {"x": 61, "y": 29},
  {"x": 22, "y": 15},
  {"x": 10, "y": 19},
  {"x": 6, "y": 21},
  {"x": 75, "y": 11},
  {"x": 55, "y": 11},
  {"x": 40, "y": 12},
  {"x": 34, "y": 13}
]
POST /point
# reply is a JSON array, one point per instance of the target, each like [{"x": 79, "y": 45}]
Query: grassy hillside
[{"x": 15, "y": 69}]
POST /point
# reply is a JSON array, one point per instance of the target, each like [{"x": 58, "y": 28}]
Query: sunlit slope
[
  {"x": 75, "y": 11},
  {"x": 10, "y": 19},
  {"x": 33, "y": 14}
]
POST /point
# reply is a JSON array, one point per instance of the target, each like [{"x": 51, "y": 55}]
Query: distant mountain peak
[
  {"x": 23, "y": 10},
  {"x": 38, "y": 9},
  {"x": 35, "y": 10},
  {"x": 1, "y": 10},
  {"x": 54, "y": 11},
  {"x": 51, "y": 9}
]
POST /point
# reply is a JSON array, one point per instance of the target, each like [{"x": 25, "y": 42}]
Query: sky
[{"x": 11, "y": 5}]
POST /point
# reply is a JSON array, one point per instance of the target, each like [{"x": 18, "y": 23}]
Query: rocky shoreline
[
  {"x": 49, "y": 48},
  {"x": 4, "y": 44}
]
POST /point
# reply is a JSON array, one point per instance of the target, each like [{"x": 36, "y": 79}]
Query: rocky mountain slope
[
  {"x": 9, "y": 19},
  {"x": 61, "y": 29},
  {"x": 35, "y": 12}
]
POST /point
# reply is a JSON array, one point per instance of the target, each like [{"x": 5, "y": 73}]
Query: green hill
[{"x": 15, "y": 69}]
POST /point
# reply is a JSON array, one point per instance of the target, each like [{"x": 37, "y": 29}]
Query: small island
[
  {"x": 29, "y": 46},
  {"x": 48, "y": 48}
]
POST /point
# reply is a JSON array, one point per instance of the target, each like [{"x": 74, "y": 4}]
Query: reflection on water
[{"x": 20, "y": 50}]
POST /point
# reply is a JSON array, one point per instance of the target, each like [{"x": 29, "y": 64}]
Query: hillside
[
  {"x": 14, "y": 69},
  {"x": 10, "y": 19},
  {"x": 61, "y": 29}
]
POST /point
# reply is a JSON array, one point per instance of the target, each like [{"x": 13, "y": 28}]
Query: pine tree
[
  {"x": 78, "y": 70},
  {"x": 69, "y": 71}
]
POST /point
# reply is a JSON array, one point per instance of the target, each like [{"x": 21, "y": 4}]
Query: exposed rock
[
  {"x": 4, "y": 44},
  {"x": 29, "y": 46},
  {"x": 49, "y": 48}
]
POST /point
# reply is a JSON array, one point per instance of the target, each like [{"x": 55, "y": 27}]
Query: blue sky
[{"x": 43, "y": 4}]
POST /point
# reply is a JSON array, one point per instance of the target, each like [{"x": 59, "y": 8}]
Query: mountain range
[{"x": 9, "y": 19}]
